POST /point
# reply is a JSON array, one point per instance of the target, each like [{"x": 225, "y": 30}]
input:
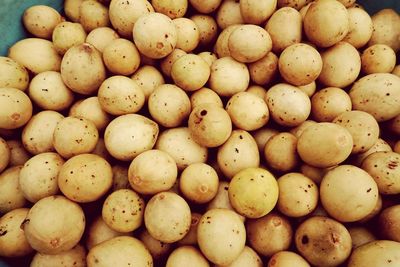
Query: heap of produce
[{"x": 241, "y": 133}]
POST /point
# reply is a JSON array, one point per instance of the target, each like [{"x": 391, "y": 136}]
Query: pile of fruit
[{"x": 202, "y": 133}]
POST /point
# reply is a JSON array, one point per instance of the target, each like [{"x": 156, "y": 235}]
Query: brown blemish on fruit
[
  {"x": 15, "y": 116},
  {"x": 86, "y": 48},
  {"x": 55, "y": 242},
  {"x": 136, "y": 180},
  {"x": 276, "y": 222},
  {"x": 3, "y": 232},
  {"x": 203, "y": 188},
  {"x": 393, "y": 164},
  {"x": 335, "y": 238},
  {"x": 159, "y": 45}
]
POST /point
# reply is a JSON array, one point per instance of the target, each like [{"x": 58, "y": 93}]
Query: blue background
[{"x": 11, "y": 28}]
